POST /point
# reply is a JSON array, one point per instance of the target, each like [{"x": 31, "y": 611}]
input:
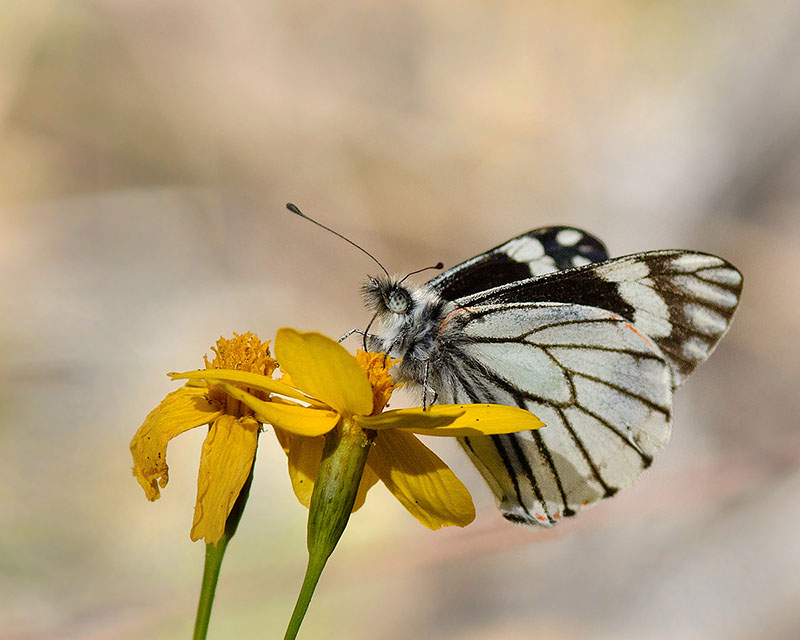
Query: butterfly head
[
  {"x": 387, "y": 295},
  {"x": 404, "y": 315}
]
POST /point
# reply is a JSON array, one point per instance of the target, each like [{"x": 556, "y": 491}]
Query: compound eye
[{"x": 398, "y": 301}]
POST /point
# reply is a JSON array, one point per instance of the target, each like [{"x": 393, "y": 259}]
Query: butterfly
[{"x": 593, "y": 346}]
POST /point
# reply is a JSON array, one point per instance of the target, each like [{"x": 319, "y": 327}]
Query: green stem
[
  {"x": 313, "y": 573},
  {"x": 343, "y": 460},
  {"x": 214, "y": 555},
  {"x": 213, "y": 564}
]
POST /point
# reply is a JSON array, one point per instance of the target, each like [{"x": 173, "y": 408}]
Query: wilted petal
[
  {"x": 180, "y": 411},
  {"x": 420, "y": 480},
  {"x": 225, "y": 464},
  {"x": 322, "y": 368}
]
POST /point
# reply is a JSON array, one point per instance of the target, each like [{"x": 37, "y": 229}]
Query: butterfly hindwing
[
  {"x": 603, "y": 390},
  {"x": 531, "y": 254}
]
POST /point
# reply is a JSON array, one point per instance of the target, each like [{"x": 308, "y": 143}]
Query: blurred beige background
[{"x": 146, "y": 153}]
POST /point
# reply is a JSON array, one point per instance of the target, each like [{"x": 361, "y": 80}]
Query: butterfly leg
[
  {"x": 350, "y": 333},
  {"x": 426, "y": 388},
  {"x": 359, "y": 332}
]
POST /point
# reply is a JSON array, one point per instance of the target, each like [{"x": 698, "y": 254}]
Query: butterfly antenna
[
  {"x": 293, "y": 208},
  {"x": 438, "y": 265}
]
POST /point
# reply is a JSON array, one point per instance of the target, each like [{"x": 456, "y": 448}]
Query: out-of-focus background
[{"x": 146, "y": 153}]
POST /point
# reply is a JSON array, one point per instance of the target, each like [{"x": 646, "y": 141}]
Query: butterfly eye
[{"x": 398, "y": 301}]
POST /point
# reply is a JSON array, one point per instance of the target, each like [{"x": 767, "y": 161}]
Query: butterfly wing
[
  {"x": 682, "y": 300},
  {"x": 531, "y": 254},
  {"x": 595, "y": 352},
  {"x": 602, "y": 388}
]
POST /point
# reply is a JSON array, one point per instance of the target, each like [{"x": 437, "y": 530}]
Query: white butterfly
[{"x": 594, "y": 347}]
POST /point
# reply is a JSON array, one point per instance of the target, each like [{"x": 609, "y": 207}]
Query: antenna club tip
[
  {"x": 292, "y": 207},
  {"x": 439, "y": 265}
]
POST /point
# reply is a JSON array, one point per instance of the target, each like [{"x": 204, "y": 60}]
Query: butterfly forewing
[{"x": 682, "y": 300}]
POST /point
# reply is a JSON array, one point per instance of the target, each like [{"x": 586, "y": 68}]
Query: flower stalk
[
  {"x": 343, "y": 459},
  {"x": 213, "y": 563}
]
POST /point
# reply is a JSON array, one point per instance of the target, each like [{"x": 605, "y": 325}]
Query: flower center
[
  {"x": 243, "y": 352},
  {"x": 376, "y": 366}
]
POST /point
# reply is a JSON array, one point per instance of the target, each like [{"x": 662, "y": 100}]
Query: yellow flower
[
  {"x": 229, "y": 448},
  {"x": 324, "y": 387}
]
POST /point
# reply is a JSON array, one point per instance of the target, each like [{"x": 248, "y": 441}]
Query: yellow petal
[
  {"x": 251, "y": 380},
  {"x": 368, "y": 480},
  {"x": 420, "y": 480},
  {"x": 455, "y": 420},
  {"x": 323, "y": 369},
  {"x": 180, "y": 411},
  {"x": 225, "y": 463},
  {"x": 304, "y": 456},
  {"x": 284, "y": 439},
  {"x": 303, "y": 421}
]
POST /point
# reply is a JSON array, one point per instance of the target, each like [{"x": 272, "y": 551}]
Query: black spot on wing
[
  {"x": 493, "y": 270},
  {"x": 512, "y": 261},
  {"x": 575, "y": 286},
  {"x": 586, "y": 247}
]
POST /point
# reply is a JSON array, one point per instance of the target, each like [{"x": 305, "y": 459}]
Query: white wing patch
[
  {"x": 569, "y": 237},
  {"x": 691, "y": 262},
  {"x": 730, "y": 277},
  {"x": 696, "y": 348},
  {"x": 526, "y": 367},
  {"x": 651, "y": 313},
  {"x": 603, "y": 390},
  {"x": 530, "y": 251},
  {"x": 705, "y": 320},
  {"x": 619, "y": 271},
  {"x": 706, "y": 291}
]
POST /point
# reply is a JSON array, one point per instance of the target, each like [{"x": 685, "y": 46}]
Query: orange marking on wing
[
  {"x": 540, "y": 517},
  {"x": 585, "y": 503},
  {"x": 628, "y": 325},
  {"x": 451, "y": 315}
]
